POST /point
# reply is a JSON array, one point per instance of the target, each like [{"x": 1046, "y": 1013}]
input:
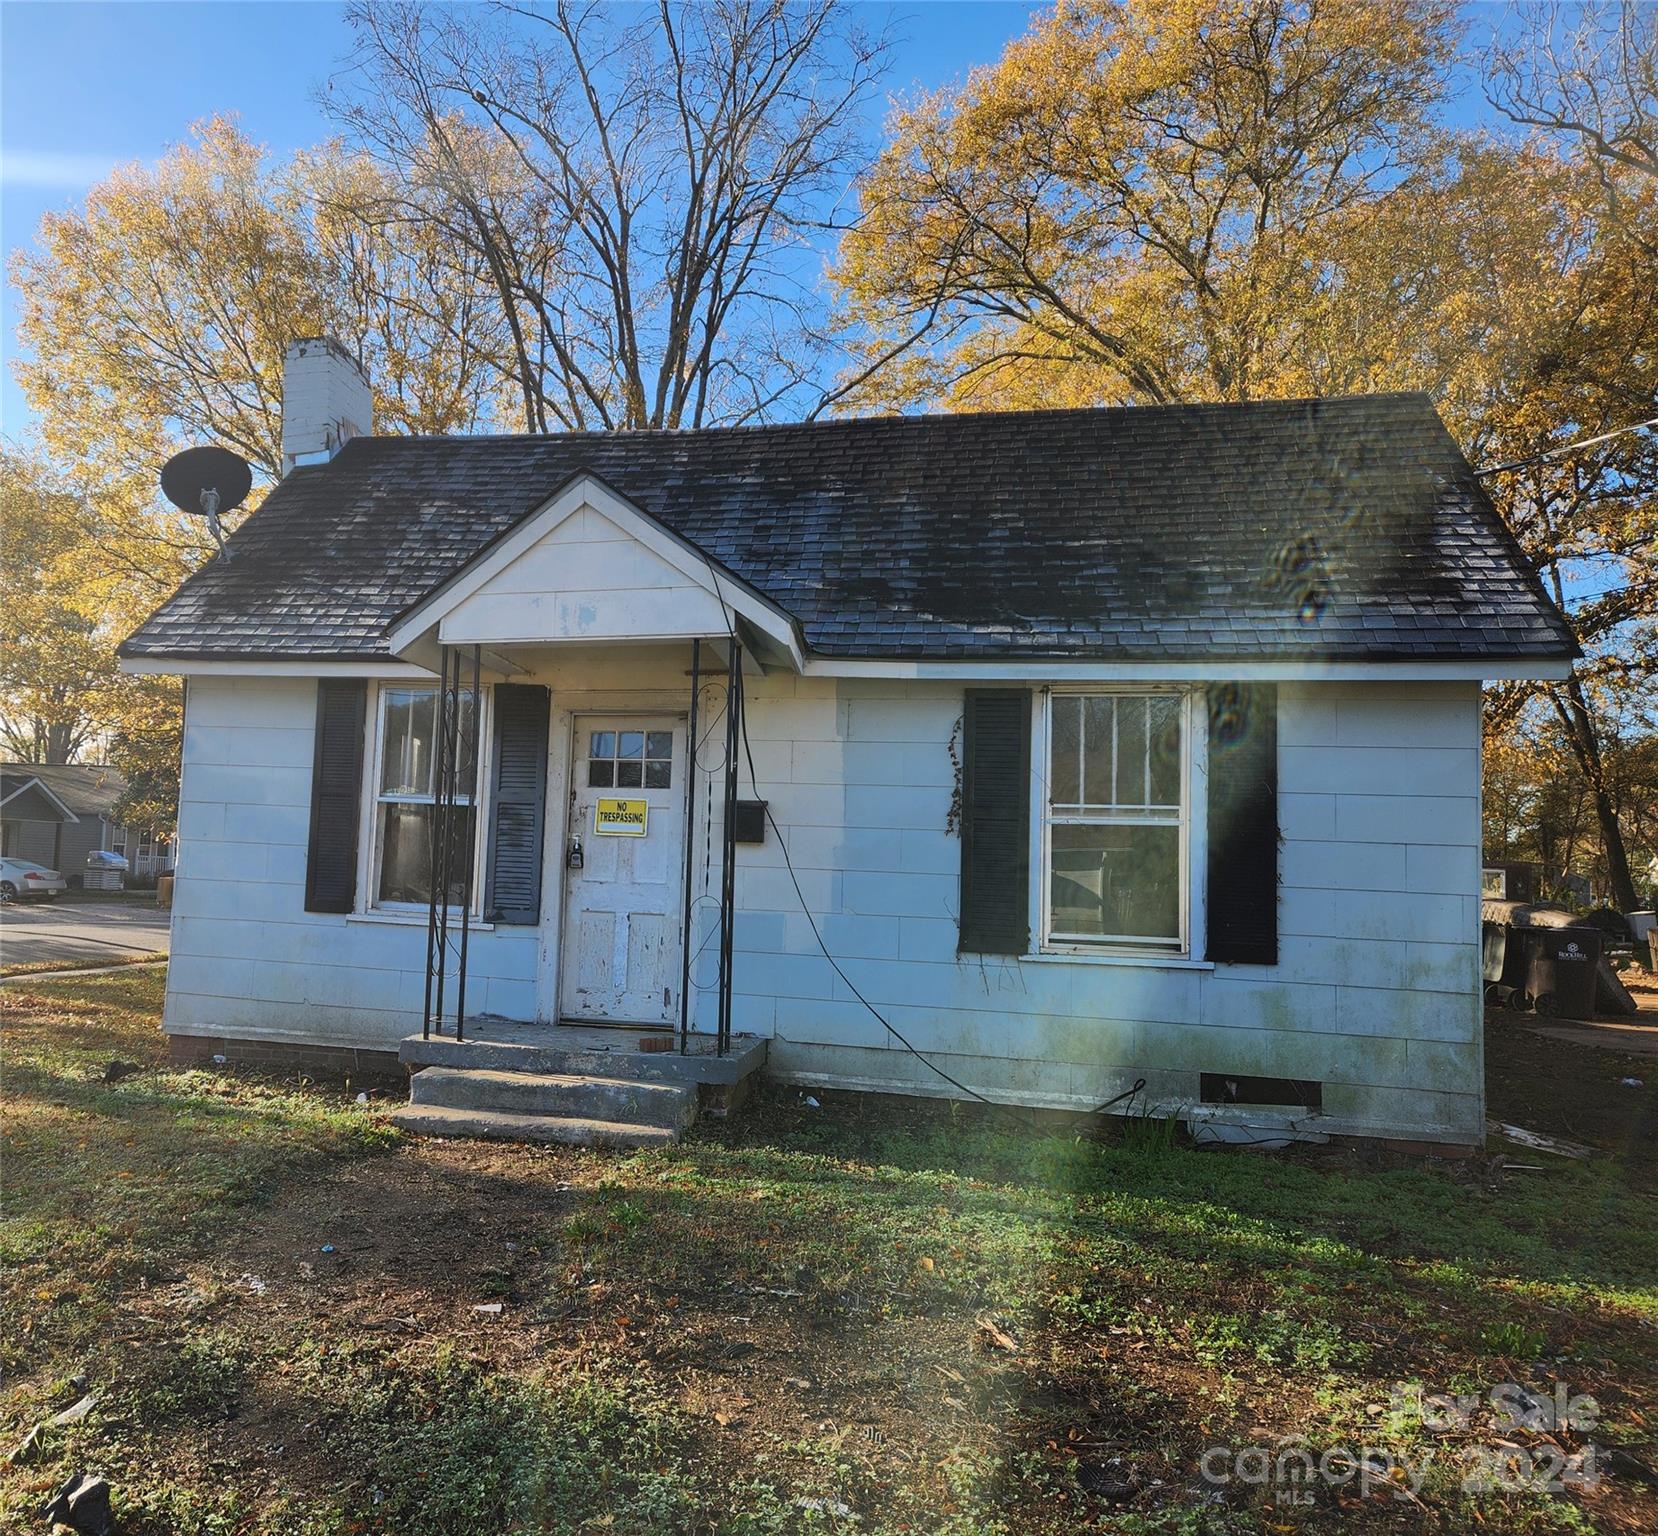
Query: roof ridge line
[{"x": 890, "y": 418}]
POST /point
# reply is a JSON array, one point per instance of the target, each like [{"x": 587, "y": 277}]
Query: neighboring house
[
  {"x": 1096, "y": 746},
  {"x": 56, "y": 815},
  {"x": 32, "y": 818}
]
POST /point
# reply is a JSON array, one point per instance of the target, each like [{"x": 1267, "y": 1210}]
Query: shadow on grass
[
  {"x": 1152, "y": 1298},
  {"x": 1155, "y": 1297},
  {"x": 1573, "y": 1224}
]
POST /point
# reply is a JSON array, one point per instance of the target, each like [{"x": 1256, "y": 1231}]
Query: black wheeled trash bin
[{"x": 1560, "y": 970}]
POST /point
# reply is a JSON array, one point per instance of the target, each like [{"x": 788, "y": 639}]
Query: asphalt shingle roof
[
  {"x": 1347, "y": 528},
  {"x": 88, "y": 789}
]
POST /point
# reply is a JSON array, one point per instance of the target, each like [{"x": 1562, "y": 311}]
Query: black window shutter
[
  {"x": 995, "y": 822},
  {"x": 336, "y": 795},
  {"x": 1243, "y": 823},
  {"x": 518, "y": 804}
]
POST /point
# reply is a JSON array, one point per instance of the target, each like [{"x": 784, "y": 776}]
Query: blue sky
[{"x": 86, "y": 86}]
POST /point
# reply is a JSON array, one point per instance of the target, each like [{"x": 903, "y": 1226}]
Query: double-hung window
[
  {"x": 1114, "y": 821},
  {"x": 405, "y": 798}
]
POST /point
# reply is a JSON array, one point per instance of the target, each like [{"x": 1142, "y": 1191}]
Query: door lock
[{"x": 573, "y": 859}]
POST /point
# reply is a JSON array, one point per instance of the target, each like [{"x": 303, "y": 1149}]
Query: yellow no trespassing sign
[{"x": 620, "y": 818}]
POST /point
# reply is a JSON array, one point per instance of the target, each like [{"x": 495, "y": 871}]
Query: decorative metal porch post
[
  {"x": 690, "y": 850},
  {"x": 449, "y": 846}
]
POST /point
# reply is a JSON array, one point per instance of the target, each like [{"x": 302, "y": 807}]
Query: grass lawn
[
  {"x": 861, "y": 1318},
  {"x": 79, "y": 963},
  {"x": 137, "y": 896}
]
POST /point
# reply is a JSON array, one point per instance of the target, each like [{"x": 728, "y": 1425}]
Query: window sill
[
  {"x": 416, "y": 920},
  {"x": 1147, "y": 961}
]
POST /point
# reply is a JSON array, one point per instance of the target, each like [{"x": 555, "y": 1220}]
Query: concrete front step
[
  {"x": 561, "y": 1095},
  {"x": 499, "y": 1045},
  {"x": 493, "y": 1125}
]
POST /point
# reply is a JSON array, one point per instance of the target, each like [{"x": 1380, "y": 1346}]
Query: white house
[{"x": 1094, "y": 747}]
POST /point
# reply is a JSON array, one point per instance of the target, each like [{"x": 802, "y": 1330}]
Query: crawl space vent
[{"x": 1279, "y": 1092}]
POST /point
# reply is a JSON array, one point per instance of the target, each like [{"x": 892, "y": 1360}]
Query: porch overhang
[{"x": 590, "y": 566}]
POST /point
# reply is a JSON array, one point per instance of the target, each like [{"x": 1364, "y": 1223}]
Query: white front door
[{"x": 622, "y": 907}]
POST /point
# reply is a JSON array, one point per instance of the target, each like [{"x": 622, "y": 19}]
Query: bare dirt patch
[{"x": 868, "y": 1317}]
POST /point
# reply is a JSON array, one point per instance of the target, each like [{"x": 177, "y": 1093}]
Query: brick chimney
[{"x": 326, "y": 401}]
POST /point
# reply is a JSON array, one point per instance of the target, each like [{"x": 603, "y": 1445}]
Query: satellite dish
[{"x": 206, "y": 482}]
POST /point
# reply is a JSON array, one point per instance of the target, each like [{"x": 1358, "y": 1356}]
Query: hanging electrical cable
[
  {"x": 1127, "y": 1095},
  {"x": 1564, "y": 448}
]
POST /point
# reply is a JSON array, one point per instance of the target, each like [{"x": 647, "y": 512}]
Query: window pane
[
  {"x": 408, "y": 757},
  {"x": 406, "y": 852},
  {"x": 1113, "y": 881},
  {"x": 396, "y": 706},
  {"x": 658, "y": 775},
  {"x": 601, "y": 773},
  {"x": 1165, "y": 750},
  {"x": 627, "y": 775},
  {"x": 407, "y": 753},
  {"x": 1064, "y": 782},
  {"x": 465, "y": 770},
  {"x": 1098, "y": 750},
  {"x": 602, "y": 744},
  {"x": 1131, "y": 750},
  {"x": 659, "y": 743},
  {"x": 630, "y": 744}
]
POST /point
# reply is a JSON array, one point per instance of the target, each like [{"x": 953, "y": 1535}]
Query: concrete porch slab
[{"x": 503, "y": 1046}]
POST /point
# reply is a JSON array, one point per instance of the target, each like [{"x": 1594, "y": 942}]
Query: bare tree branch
[
  {"x": 644, "y": 191},
  {"x": 1590, "y": 73}
]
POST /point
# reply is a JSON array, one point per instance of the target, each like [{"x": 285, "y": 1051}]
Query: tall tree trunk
[{"x": 1573, "y": 709}]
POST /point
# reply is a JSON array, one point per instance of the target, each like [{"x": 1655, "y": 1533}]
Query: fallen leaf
[{"x": 991, "y": 1330}]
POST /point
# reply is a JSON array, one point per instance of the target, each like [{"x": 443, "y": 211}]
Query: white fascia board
[
  {"x": 32, "y": 783},
  {"x": 1044, "y": 670},
  {"x": 427, "y": 655},
  {"x": 590, "y": 491},
  {"x": 315, "y": 666},
  {"x": 1036, "y": 670}
]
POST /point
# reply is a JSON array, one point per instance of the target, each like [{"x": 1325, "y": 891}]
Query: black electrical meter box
[{"x": 748, "y": 825}]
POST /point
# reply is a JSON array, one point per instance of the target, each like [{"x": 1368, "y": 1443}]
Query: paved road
[{"x": 90, "y": 931}]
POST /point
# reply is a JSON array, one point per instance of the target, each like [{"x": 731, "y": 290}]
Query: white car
[{"x": 22, "y": 881}]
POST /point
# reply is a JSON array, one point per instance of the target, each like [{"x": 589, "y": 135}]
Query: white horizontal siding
[
  {"x": 247, "y": 957},
  {"x": 1375, "y": 993},
  {"x": 585, "y": 580}
]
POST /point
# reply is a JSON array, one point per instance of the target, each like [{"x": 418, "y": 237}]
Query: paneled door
[{"x": 624, "y": 856}]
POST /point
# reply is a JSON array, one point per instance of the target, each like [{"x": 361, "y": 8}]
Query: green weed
[{"x": 1156, "y": 1296}]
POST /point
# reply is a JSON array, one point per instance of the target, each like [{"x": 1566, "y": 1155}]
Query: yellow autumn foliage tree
[
  {"x": 156, "y": 316},
  {"x": 160, "y": 311},
  {"x": 57, "y": 669},
  {"x": 1137, "y": 202}
]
